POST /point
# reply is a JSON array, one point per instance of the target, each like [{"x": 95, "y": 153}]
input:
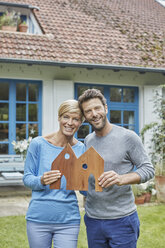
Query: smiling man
[{"x": 111, "y": 218}]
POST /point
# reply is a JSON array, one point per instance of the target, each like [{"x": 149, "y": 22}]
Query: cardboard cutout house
[{"x": 77, "y": 170}]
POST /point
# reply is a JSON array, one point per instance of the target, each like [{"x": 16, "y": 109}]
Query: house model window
[{"x": 15, "y": 14}]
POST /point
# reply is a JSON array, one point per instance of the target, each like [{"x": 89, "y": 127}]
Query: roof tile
[{"x": 86, "y": 31}]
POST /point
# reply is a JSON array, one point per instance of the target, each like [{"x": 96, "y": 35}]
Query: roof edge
[
  {"x": 27, "y": 6},
  {"x": 83, "y": 65}
]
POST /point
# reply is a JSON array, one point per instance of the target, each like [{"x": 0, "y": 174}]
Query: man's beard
[{"x": 102, "y": 125}]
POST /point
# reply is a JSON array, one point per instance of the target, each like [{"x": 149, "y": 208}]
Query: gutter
[
  {"x": 26, "y": 6},
  {"x": 88, "y": 66}
]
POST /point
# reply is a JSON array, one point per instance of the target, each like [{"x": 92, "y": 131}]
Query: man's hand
[
  {"x": 110, "y": 178},
  {"x": 50, "y": 177}
]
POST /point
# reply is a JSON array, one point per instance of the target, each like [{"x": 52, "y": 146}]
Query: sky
[{"x": 161, "y": 2}]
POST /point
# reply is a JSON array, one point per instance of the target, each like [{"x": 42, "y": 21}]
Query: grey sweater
[{"x": 121, "y": 150}]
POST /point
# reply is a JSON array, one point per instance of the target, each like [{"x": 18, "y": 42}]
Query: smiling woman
[
  {"x": 54, "y": 212},
  {"x": 70, "y": 118},
  {"x": 69, "y": 123}
]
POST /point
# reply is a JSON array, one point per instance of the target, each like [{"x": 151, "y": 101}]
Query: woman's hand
[{"x": 50, "y": 177}]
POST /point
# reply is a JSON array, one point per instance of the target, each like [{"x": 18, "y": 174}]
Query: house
[
  {"x": 77, "y": 170},
  {"x": 117, "y": 46}
]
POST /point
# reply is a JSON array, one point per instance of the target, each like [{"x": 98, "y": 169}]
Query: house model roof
[{"x": 116, "y": 32}]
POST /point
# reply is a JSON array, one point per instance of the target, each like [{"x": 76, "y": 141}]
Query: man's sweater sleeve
[{"x": 140, "y": 158}]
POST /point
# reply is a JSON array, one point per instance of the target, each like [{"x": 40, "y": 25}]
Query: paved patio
[
  {"x": 17, "y": 205},
  {"x": 13, "y": 205}
]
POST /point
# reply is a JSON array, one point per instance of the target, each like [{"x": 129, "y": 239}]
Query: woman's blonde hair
[{"x": 70, "y": 106}]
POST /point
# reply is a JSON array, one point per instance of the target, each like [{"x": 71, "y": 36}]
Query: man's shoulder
[
  {"x": 127, "y": 134},
  {"x": 124, "y": 130}
]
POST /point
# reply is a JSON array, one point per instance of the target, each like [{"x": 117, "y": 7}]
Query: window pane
[
  {"x": 130, "y": 127},
  {"x": 128, "y": 95},
  {"x": 99, "y": 88},
  {"x": 33, "y": 130},
  {"x": 129, "y": 117},
  {"x": 4, "y": 131},
  {"x": 21, "y": 112},
  {"x": 4, "y": 91},
  {"x": 3, "y": 148},
  {"x": 4, "y": 111},
  {"x": 20, "y": 131},
  {"x": 115, "y": 94},
  {"x": 115, "y": 116},
  {"x": 21, "y": 92},
  {"x": 81, "y": 89},
  {"x": 33, "y": 112},
  {"x": 33, "y": 92},
  {"x": 83, "y": 131}
]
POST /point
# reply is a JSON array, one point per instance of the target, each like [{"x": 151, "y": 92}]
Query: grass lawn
[{"x": 152, "y": 218}]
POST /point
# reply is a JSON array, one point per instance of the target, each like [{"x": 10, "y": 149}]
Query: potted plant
[
  {"x": 139, "y": 193},
  {"x": 23, "y": 27},
  {"x": 149, "y": 191},
  {"x": 21, "y": 147},
  {"x": 9, "y": 21},
  {"x": 144, "y": 191},
  {"x": 157, "y": 144}
]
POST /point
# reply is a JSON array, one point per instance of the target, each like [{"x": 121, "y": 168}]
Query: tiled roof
[{"x": 116, "y": 32}]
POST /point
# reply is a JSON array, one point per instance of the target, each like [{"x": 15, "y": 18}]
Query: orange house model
[{"x": 77, "y": 170}]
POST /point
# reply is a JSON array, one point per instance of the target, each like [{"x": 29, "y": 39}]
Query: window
[
  {"x": 122, "y": 104},
  {"x": 20, "y": 112},
  {"x": 19, "y": 13}
]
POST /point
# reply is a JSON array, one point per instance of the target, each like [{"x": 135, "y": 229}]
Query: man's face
[{"x": 95, "y": 113}]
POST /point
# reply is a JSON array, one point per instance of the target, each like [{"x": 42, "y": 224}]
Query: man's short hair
[{"x": 91, "y": 94}]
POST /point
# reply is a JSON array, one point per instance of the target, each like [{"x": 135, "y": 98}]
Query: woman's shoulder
[
  {"x": 35, "y": 142},
  {"x": 37, "y": 139},
  {"x": 78, "y": 148},
  {"x": 79, "y": 145}
]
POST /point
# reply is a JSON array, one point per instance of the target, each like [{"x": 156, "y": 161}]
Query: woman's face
[{"x": 69, "y": 123}]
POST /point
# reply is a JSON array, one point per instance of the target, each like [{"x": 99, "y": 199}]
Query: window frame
[
  {"x": 12, "y": 110},
  {"x": 122, "y": 106}
]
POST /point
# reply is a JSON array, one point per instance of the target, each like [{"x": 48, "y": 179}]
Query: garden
[
  {"x": 152, "y": 219},
  {"x": 151, "y": 214}
]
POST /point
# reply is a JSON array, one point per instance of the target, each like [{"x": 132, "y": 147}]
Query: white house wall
[
  {"x": 148, "y": 95},
  {"x": 47, "y": 107},
  {"x": 58, "y": 85},
  {"x": 62, "y": 90},
  {"x": 148, "y": 115}
]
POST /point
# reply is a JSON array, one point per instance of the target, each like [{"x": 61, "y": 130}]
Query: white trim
[{"x": 162, "y": 2}]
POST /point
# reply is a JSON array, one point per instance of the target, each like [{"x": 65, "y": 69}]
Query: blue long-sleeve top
[{"x": 49, "y": 205}]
